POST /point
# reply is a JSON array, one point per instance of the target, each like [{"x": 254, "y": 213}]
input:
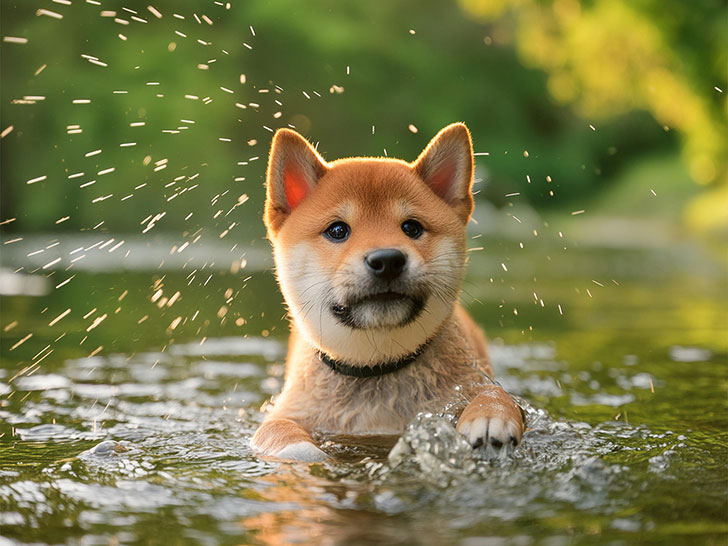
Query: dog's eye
[
  {"x": 338, "y": 231},
  {"x": 412, "y": 228}
]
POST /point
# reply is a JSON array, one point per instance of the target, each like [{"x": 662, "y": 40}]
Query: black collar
[{"x": 372, "y": 370}]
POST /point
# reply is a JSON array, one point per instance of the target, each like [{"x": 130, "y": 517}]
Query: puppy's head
[{"x": 369, "y": 252}]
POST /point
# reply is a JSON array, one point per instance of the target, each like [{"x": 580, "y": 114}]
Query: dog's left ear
[
  {"x": 294, "y": 169},
  {"x": 446, "y": 166}
]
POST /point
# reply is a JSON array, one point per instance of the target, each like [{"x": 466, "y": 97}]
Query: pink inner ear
[
  {"x": 295, "y": 186},
  {"x": 442, "y": 179}
]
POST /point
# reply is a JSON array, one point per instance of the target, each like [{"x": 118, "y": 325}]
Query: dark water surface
[{"x": 621, "y": 353}]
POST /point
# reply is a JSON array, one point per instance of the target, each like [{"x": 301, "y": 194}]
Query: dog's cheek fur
[
  {"x": 308, "y": 285},
  {"x": 305, "y": 283}
]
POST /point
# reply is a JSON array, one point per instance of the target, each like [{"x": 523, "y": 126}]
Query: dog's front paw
[
  {"x": 301, "y": 451},
  {"x": 286, "y": 439},
  {"x": 492, "y": 418}
]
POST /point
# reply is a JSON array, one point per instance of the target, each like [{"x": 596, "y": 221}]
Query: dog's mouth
[
  {"x": 384, "y": 297},
  {"x": 379, "y": 310}
]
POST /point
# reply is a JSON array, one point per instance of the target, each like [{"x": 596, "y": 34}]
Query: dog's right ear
[{"x": 294, "y": 168}]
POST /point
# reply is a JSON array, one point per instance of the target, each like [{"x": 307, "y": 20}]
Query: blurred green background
[{"x": 615, "y": 107}]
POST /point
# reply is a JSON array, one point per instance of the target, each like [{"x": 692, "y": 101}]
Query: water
[{"x": 146, "y": 441}]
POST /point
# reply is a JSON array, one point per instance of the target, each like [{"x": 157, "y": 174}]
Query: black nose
[{"x": 386, "y": 263}]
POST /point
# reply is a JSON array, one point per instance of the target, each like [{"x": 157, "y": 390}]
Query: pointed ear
[
  {"x": 446, "y": 166},
  {"x": 294, "y": 168}
]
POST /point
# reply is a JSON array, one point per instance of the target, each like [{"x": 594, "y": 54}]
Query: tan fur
[
  {"x": 275, "y": 434},
  {"x": 492, "y": 401},
  {"x": 374, "y": 196}
]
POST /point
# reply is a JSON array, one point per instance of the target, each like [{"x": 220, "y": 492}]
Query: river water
[{"x": 134, "y": 430}]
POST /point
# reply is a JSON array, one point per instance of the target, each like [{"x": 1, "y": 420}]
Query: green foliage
[
  {"x": 615, "y": 56},
  {"x": 351, "y": 75}
]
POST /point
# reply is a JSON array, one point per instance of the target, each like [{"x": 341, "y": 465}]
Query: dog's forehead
[{"x": 382, "y": 184}]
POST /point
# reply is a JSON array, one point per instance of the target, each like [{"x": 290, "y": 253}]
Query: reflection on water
[{"x": 627, "y": 424}]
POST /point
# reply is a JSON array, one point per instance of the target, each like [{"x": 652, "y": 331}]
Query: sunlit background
[
  {"x": 133, "y": 151},
  {"x": 606, "y": 98}
]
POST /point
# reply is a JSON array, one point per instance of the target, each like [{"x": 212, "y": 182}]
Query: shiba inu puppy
[{"x": 370, "y": 256}]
